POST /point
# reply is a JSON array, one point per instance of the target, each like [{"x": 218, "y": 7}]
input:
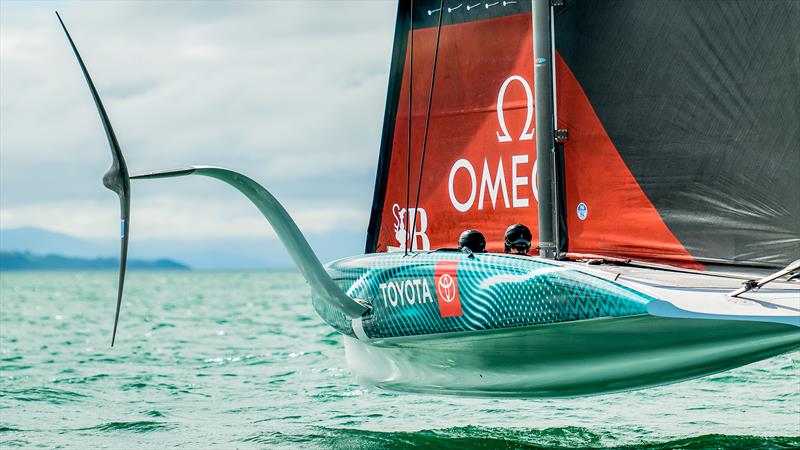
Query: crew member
[
  {"x": 472, "y": 240},
  {"x": 518, "y": 239}
]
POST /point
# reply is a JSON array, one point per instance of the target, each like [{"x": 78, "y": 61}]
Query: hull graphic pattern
[{"x": 494, "y": 291}]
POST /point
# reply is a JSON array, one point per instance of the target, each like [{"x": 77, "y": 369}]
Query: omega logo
[
  {"x": 446, "y": 288},
  {"x": 526, "y": 135}
]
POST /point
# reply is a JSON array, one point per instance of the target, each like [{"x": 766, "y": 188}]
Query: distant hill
[
  {"x": 224, "y": 253},
  {"x": 29, "y": 261},
  {"x": 44, "y": 242}
]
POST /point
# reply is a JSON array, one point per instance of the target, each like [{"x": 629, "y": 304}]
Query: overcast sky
[{"x": 289, "y": 92}]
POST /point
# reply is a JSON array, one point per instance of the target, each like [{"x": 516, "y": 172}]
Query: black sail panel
[{"x": 702, "y": 102}]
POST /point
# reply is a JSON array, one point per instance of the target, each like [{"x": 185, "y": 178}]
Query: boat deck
[{"x": 680, "y": 278}]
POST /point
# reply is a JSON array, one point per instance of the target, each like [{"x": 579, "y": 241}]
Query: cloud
[{"x": 291, "y": 93}]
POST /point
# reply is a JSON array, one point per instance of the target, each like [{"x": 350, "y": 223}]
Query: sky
[{"x": 291, "y": 93}]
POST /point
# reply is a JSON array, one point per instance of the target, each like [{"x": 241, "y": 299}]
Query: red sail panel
[
  {"x": 479, "y": 163},
  {"x": 607, "y": 211}
]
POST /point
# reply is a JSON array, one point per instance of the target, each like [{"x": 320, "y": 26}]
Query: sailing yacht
[{"x": 652, "y": 147}]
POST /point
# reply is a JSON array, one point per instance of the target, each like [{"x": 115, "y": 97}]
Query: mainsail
[{"x": 682, "y": 117}]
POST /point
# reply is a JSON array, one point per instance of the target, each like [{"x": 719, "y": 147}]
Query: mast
[{"x": 545, "y": 126}]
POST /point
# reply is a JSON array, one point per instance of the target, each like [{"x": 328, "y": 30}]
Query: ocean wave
[
  {"x": 80, "y": 380},
  {"x": 43, "y": 394},
  {"x": 294, "y": 390},
  {"x": 475, "y": 437},
  {"x": 15, "y": 443},
  {"x": 142, "y": 426}
]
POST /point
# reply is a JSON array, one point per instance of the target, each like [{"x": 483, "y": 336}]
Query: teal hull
[
  {"x": 507, "y": 326},
  {"x": 567, "y": 359}
]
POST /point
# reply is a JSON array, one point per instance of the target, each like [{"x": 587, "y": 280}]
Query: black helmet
[
  {"x": 518, "y": 237},
  {"x": 473, "y": 240}
]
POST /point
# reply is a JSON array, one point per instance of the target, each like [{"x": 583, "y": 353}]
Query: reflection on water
[{"x": 240, "y": 360}]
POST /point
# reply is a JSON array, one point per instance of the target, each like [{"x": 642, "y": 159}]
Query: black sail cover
[{"x": 683, "y": 121}]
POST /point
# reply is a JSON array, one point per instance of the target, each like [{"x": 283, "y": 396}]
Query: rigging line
[
  {"x": 427, "y": 117},
  {"x": 410, "y": 113}
]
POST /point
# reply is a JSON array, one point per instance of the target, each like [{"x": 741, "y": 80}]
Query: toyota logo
[{"x": 446, "y": 288}]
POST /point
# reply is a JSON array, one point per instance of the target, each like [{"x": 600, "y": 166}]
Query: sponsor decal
[
  {"x": 582, "y": 210},
  {"x": 419, "y": 239},
  {"x": 493, "y": 186},
  {"x": 527, "y": 131},
  {"x": 447, "y": 288},
  {"x": 406, "y": 292},
  {"x": 463, "y": 171}
]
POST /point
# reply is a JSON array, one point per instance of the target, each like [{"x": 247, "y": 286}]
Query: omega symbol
[
  {"x": 446, "y": 288},
  {"x": 526, "y": 134}
]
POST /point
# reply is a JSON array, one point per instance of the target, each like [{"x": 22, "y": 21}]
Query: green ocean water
[{"x": 240, "y": 360}]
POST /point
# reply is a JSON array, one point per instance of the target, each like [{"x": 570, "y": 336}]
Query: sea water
[{"x": 240, "y": 360}]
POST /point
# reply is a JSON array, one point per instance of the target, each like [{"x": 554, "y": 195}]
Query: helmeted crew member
[
  {"x": 472, "y": 240},
  {"x": 518, "y": 239}
]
